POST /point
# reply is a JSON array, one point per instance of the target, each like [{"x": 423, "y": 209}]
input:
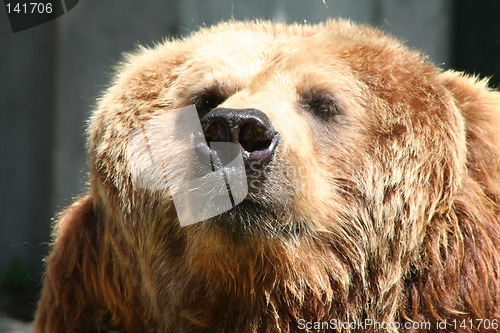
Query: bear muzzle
[{"x": 251, "y": 129}]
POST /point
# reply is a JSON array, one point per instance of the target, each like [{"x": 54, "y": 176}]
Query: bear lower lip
[{"x": 242, "y": 219}]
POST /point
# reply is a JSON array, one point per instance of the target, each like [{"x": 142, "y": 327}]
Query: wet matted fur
[{"x": 381, "y": 202}]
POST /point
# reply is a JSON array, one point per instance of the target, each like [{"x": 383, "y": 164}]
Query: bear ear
[
  {"x": 70, "y": 270},
  {"x": 79, "y": 215},
  {"x": 462, "y": 265},
  {"x": 480, "y": 108}
]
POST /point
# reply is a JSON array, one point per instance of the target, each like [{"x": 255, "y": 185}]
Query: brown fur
[{"x": 391, "y": 211}]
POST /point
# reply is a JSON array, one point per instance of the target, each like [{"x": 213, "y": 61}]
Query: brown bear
[{"x": 371, "y": 191}]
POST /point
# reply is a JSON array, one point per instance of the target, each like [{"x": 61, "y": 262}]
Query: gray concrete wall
[
  {"x": 26, "y": 111},
  {"x": 51, "y": 75}
]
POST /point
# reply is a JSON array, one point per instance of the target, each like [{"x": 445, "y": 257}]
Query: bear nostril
[
  {"x": 216, "y": 131},
  {"x": 253, "y": 137}
]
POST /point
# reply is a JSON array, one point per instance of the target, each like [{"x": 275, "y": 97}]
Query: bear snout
[{"x": 251, "y": 129}]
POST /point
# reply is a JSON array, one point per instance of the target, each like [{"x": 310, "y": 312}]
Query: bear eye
[
  {"x": 322, "y": 104},
  {"x": 207, "y": 100}
]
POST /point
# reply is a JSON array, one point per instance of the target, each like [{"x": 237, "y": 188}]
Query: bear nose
[{"x": 251, "y": 129}]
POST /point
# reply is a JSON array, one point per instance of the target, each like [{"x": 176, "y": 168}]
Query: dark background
[
  {"x": 51, "y": 75},
  {"x": 476, "y": 38}
]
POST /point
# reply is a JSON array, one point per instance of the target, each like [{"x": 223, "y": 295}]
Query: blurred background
[{"x": 51, "y": 75}]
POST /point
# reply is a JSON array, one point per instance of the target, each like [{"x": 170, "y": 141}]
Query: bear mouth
[{"x": 245, "y": 219}]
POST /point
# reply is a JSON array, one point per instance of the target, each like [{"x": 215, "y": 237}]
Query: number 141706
[
  {"x": 475, "y": 324},
  {"x": 29, "y": 8}
]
